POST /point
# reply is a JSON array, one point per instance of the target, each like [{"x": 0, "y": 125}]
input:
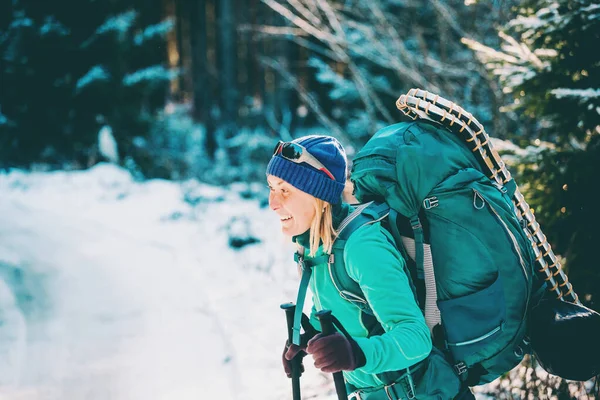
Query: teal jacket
[{"x": 377, "y": 266}]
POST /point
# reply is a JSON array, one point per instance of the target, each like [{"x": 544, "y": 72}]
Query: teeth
[{"x": 286, "y": 218}]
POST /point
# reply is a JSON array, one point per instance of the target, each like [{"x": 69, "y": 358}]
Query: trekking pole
[
  {"x": 289, "y": 309},
  {"x": 327, "y": 328}
]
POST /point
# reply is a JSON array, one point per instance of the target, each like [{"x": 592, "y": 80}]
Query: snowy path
[
  {"x": 112, "y": 289},
  {"x": 123, "y": 321}
]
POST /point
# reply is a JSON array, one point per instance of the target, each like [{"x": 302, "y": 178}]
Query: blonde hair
[{"x": 321, "y": 228}]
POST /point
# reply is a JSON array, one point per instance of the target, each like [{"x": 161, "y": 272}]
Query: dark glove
[
  {"x": 291, "y": 350},
  {"x": 335, "y": 352}
]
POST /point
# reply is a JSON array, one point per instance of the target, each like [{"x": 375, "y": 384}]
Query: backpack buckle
[
  {"x": 430, "y": 202},
  {"x": 461, "y": 368},
  {"x": 355, "y": 395},
  {"x": 299, "y": 261},
  {"x": 500, "y": 187}
]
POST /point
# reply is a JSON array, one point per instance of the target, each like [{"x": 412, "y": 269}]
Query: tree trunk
[
  {"x": 227, "y": 66},
  {"x": 179, "y": 18},
  {"x": 202, "y": 85},
  {"x": 254, "y": 76},
  {"x": 260, "y": 50}
]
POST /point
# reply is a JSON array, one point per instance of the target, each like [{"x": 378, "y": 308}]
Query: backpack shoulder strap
[{"x": 349, "y": 289}]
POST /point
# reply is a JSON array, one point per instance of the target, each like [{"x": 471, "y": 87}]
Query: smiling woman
[{"x": 306, "y": 179}]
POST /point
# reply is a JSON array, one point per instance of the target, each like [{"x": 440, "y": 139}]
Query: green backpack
[{"x": 470, "y": 260}]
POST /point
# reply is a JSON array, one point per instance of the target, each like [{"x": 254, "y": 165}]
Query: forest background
[{"x": 203, "y": 89}]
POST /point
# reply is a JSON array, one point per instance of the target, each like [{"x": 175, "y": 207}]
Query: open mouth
[{"x": 287, "y": 218}]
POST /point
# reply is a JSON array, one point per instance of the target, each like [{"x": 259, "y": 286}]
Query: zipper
[
  {"x": 510, "y": 234},
  {"x": 478, "y": 339}
]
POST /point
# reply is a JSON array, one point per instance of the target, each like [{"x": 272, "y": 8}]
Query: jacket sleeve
[{"x": 378, "y": 267}]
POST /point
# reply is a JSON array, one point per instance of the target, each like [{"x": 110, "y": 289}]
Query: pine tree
[
  {"x": 71, "y": 67},
  {"x": 550, "y": 64}
]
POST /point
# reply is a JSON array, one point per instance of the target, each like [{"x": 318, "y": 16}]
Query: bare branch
[
  {"x": 317, "y": 49},
  {"x": 305, "y": 12},
  {"x": 392, "y": 32},
  {"x": 448, "y": 14},
  {"x": 387, "y": 60},
  {"x": 307, "y": 97},
  {"x": 272, "y": 30},
  {"x": 487, "y": 53},
  {"x": 366, "y": 93},
  {"x": 283, "y": 127},
  {"x": 314, "y": 8},
  {"x": 301, "y": 23},
  {"x": 333, "y": 20}
]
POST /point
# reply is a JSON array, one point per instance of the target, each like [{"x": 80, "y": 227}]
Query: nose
[{"x": 274, "y": 201}]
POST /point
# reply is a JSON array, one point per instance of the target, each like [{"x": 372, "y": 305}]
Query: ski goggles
[{"x": 298, "y": 154}]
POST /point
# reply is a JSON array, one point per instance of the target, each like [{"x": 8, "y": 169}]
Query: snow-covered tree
[
  {"x": 550, "y": 64},
  {"x": 70, "y": 67},
  {"x": 366, "y": 53}
]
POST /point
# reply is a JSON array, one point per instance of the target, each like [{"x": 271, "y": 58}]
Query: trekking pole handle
[
  {"x": 290, "y": 309},
  {"x": 325, "y": 318}
]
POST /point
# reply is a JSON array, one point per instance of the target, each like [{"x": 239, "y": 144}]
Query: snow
[
  {"x": 130, "y": 290},
  {"x": 582, "y": 94},
  {"x": 592, "y": 8},
  {"x": 152, "y": 31},
  {"x": 52, "y": 25},
  {"x": 107, "y": 144},
  {"x": 527, "y": 22},
  {"x": 3, "y": 119},
  {"x": 21, "y": 20},
  {"x": 96, "y": 73},
  {"x": 155, "y": 72},
  {"x": 120, "y": 23}
]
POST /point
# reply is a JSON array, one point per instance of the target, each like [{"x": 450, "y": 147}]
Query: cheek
[{"x": 307, "y": 215}]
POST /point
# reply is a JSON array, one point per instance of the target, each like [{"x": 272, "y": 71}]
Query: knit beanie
[{"x": 310, "y": 180}]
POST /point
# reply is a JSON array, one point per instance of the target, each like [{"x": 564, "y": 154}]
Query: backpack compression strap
[{"x": 417, "y": 248}]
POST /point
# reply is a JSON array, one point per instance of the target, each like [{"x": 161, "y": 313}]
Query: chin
[
  {"x": 292, "y": 231},
  {"x": 288, "y": 232}
]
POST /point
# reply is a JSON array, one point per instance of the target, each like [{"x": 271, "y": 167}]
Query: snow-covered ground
[
  {"x": 114, "y": 289},
  {"x": 124, "y": 290}
]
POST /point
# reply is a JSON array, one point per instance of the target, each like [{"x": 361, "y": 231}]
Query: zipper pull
[{"x": 478, "y": 205}]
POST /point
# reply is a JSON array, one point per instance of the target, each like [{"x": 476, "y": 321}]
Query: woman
[{"x": 306, "y": 178}]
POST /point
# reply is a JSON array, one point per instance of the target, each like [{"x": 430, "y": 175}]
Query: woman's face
[{"x": 295, "y": 209}]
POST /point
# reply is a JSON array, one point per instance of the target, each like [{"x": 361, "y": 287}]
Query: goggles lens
[{"x": 296, "y": 153}]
